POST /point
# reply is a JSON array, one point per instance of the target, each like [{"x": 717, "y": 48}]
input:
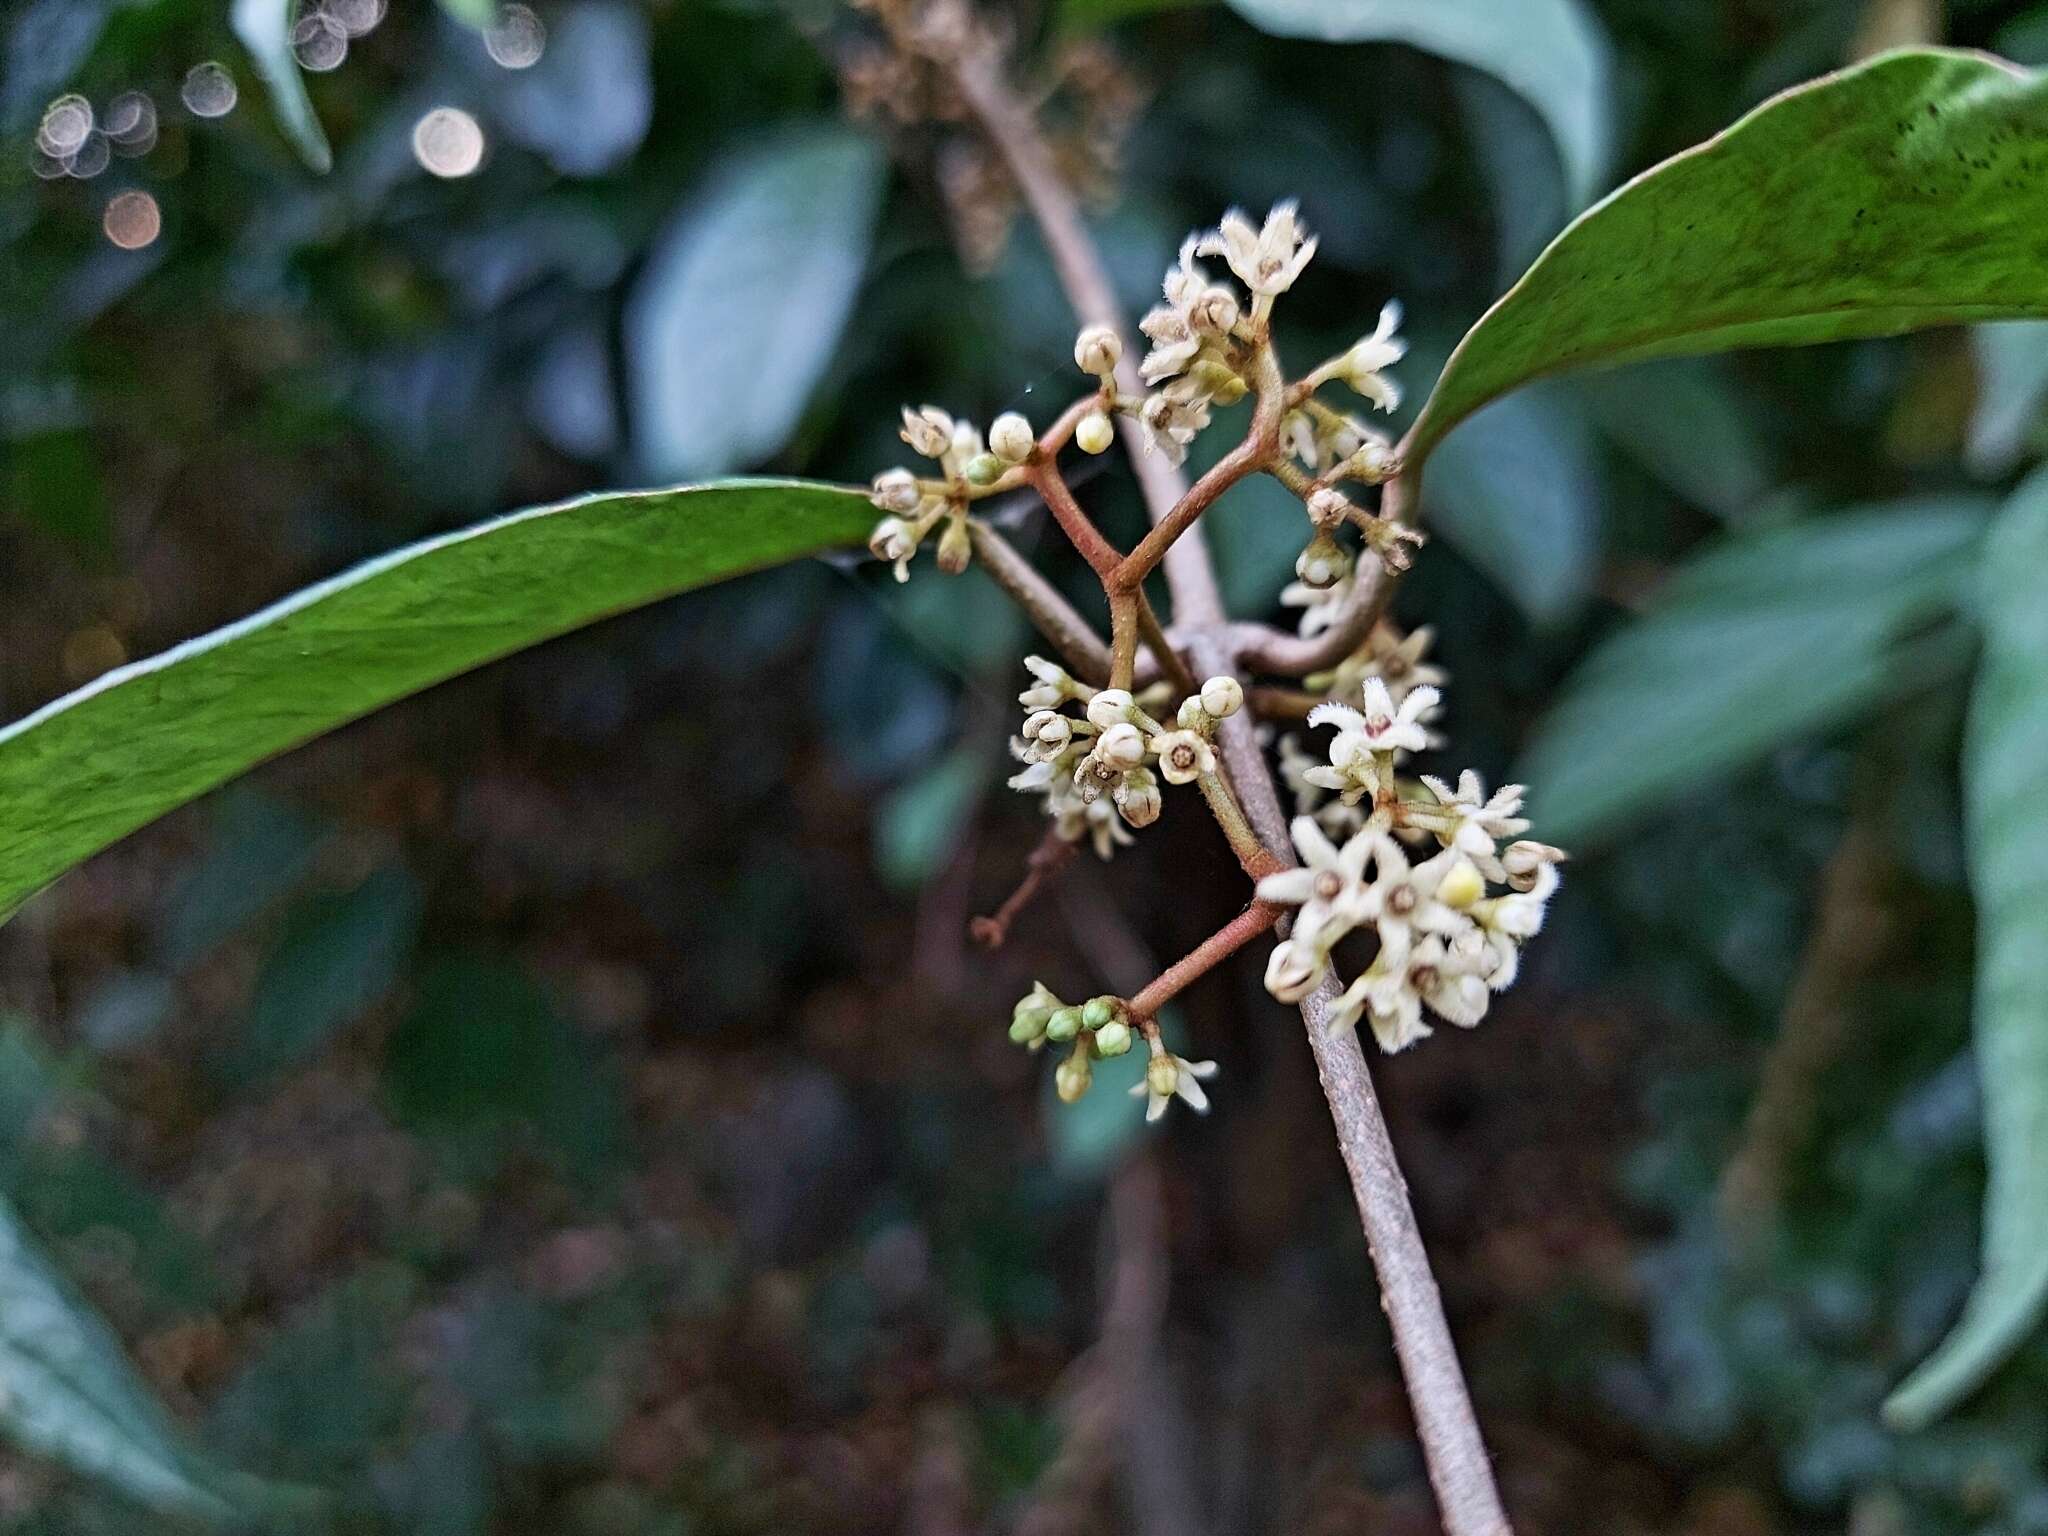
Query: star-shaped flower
[
  {"x": 1266, "y": 260},
  {"x": 1168, "y": 1077}
]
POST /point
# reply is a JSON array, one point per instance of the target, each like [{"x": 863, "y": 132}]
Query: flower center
[
  {"x": 1423, "y": 978},
  {"x": 1401, "y": 899},
  {"x": 1378, "y": 725},
  {"x": 1328, "y": 884}
]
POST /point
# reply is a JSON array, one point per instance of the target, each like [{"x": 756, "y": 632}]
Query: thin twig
[
  {"x": 1458, "y": 1466},
  {"x": 1226, "y": 941},
  {"x": 1052, "y": 855}
]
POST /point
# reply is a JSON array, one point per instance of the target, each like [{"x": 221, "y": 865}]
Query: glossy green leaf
[
  {"x": 740, "y": 307},
  {"x": 1763, "y": 639},
  {"x": 2005, "y": 772},
  {"x": 98, "y": 763},
  {"x": 68, "y": 1393},
  {"x": 2012, "y": 392},
  {"x": 1551, "y": 52},
  {"x": 1907, "y": 192},
  {"x": 265, "y": 29}
]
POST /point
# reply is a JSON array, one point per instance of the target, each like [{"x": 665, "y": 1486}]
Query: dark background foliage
[{"x": 568, "y": 1102}]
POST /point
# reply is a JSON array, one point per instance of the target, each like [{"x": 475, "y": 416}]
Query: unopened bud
[
  {"x": 1097, "y": 350},
  {"x": 1121, "y": 747},
  {"x": 895, "y": 490},
  {"x": 1049, "y": 733},
  {"x": 893, "y": 539},
  {"x": 1137, "y": 797},
  {"x": 1027, "y": 1027},
  {"x": 1327, "y": 507},
  {"x": 956, "y": 547},
  {"x": 966, "y": 442},
  {"x": 1010, "y": 436},
  {"x": 983, "y": 469},
  {"x": 1462, "y": 885},
  {"x": 1322, "y": 563},
  {"x": 1095, "y": 433},
  {"x": 1072, "y": 1077},
  {"x": 1098, "y": 1011},
  {"x": 1214, "y": 311},
  {"x": 1222, "y": 697},
  {"x": 1113, "y": 1039},
  {"x": 1111, "y": 706},
  {"x": 1063, "y": 1024}
]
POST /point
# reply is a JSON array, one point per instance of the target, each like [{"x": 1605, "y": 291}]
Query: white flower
[
  {"x": 1184, "y": 756},
  {"x": 1293, "y": 969},
  {"x": 1174, "y": 343},
  {"x": 1267, "y": 260},
  {"x": 1384, "y": 997},
  {"x": 1382, "y": 726},
  {"x": 928, "y": 430},
  {"x": 1404, "y": 897},
  {"x": 1054, "y": 686},
  {"x": 1394, "y": 659},
  {"x": 1171, "y": 423},
  {"x": 1213, "y": 312},
  {"x": 896, "y": 541},
  {"x": 1470, "y": 820},
  {"x": 1445, "y": 977},
  {"x": 1168, "y": 1077},
  {"x": 1365, "y": 364},
  {"x": 1047, "y": 734},
  {"x": 1330, "y": 887},
  {"x": 1320, "y": 605},
  {"x": 1097, "y": 350}
]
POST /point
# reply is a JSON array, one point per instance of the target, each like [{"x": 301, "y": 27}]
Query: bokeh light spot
[
  {"x": 448, "y": 142},
  {"x": 516, "y": 38},
  {"x": 209, "y": 91},
  {"x": 132, "y": 220}
]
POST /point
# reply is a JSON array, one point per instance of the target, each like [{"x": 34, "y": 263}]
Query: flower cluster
[
  {"x": 1099, "y": 1029},
  {"x": 1103, "y": 768},
  {"x": 969, "y": 467}
]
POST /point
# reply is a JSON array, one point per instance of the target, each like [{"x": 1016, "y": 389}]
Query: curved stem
[{"x": 1226, "y": 941}]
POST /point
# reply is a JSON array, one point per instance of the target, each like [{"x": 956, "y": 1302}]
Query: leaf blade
[
  {"x": 265, "y": 29},
  {"x": 93, "y": 766},
  {"x": 1923, "y": 219},
  {"x": 2006, "y": 786}
]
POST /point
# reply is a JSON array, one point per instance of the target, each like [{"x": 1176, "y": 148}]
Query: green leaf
[
  {"x": 1551, "y": 52},
  {"x": 921, "y": 822},
  {"x": 1907, "y": 192},
  {"x": 339, "y": 954},
  {"x": 2005, "y": 773},
  {"x": 2012, "y": 389},
  {"x": 265, "y": 28},
  {"x": 741, "y": 304},
  {"x": 96, "y": 764},
  {"x": 68, "y": 1393},
  {"x": 1763, "y": 639},
  {"x": 472, "y": 13},
  {"x": 1519, "y": 496}
]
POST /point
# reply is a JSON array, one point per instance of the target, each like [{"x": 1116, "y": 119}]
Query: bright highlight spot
[
  {"x": 209, "y": 91},
  {"x": 448, "y": 142},
  {"x": 517, "y": 38},
  {"x": 132, "y": 220}
]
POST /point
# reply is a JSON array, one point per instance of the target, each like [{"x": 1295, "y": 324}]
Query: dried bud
[
  {"x": 1097, "y": 350},
  {"x": 1395, "y": 543},
  {"x": 1121, "y": 747},
  {"x": 1137, "y": 797},
  {"x": 1214, "y": 311},
  {"x": 1327, "y": 508},
  {"x": 1112, "y": 706},
  {"x": 1113, "y": 1039},
  {"x": 1322, "y": 563},
  {"x": 1072, "y": 1077},
  {"x": 1011, "y": 439},
  {"x": 928, "y": 430},
  {"x": 895, "y": 490},
  {"x": 1222, "y": 697},
  {"x": 1525, "y": 861},
  {"x": 956, "y": 548},
  {"x": 1095, "y": 433}
]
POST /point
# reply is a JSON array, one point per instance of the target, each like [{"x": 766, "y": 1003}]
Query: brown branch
[
  {"x": 1101, "y": 555},
  {"x": 1449, "y": 1432},
  {"x": 1052, "y": 855},
  {"x": 1050, "y": 613},
  {"x": 1198, "y": 962}
]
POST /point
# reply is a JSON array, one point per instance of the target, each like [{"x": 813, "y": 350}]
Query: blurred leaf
[
  {"x": 2012, "y": 389},
  {"x": 741, "y": 304},
  {"x": 1552, "y": 52},
  {"x": 48, "y": 42},
  {"x": 67, "y": 1392},
  {"x": 98, "y": 763},
  {"x": 1684, "y": 420},
  {"x": 1087, "y": 15},
  {"x": 1522, "y": 172},
  {"x": 1907, "y": 192},
  {"x": 472, "y": 13},
  {"x": 2005, "y": 767},
  {"x": 339, "y": 954},
  {"x": 1519, "y": 494},
  {"x": 585, "y": 106},
  {"x": 1761, "y": 639},
  {"x": 921, "y": 822},
  {"x": 483, "y": 1053},
  {"x": 260, "y": 849},
  {"x": 54, "y": 478},
  {"x": 265, "y": 28}
]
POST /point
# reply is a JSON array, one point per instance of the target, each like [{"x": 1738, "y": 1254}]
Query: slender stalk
[
  {"x": 1123, "y": 637},
  {"x": 1257, "y": 860},
  {"x": 1052, "y": 855},
  {"x": 1456, "y": 1455},
  {"x": 1226, "y": 941},
  {"x": 1051, "y": 614},
  {"x": 1101, "y": 555}
]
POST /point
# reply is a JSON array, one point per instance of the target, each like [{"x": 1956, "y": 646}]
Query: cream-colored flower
[
  {"x": 1168, "y": 1077},
  {"x": 1266, "y": 260},
  {"x": 1184, "y": 756},
  {"x": 1329, "y": 886},
  {"x": 1381, "y": 727},
  {"x": 1365, "y": 364},
  {"x": 1054, "y": 685},
  {"x": 1293, "y": 969},
  {"x": 1404, "y": 897}
]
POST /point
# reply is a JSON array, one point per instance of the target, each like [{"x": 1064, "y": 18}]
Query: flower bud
[
  {"x": 1121, "y": 747},
  {"x": 1373, "y": 462},
  {"x": 1027, "y": 1019},
  {"x": 966, "y": 443},
  {"x": 956, "y": 548},
  {"x": 1027, "y": 1027},
  {"x": 1462, "y": 885},
  {"x": 1095, "y": 433},
  {"x": 1097, "y": 350},
  {"x": 1063, "y": 1025},
  {"x": 1072, "y": 1077},
  {"x": 1327, "y": 508},
  {"x": 983, "y": 469},
  {"x": 1047, "y": 733},
  {"x": 1525, "y": 862},
  {"x": 893, "y": 540},
  {"x": 1010, "y": 436},
  {"x": 1137, "y": 797},
  {"x": 1191, "y": 716},
  {"x": 928, "y": 430},
  {"x": 1222, "y": 697},
  {"x": 1112, "y": 706},
  {"x": 1162, "y": 1076},
  {"x": 1322, "y": 563},
  {"x": 1113, "y": 1039},
  {"x": 895, "y": 490},
  {"x": 1292, "y": 971},
  {"x": 1098, "y": 1011},
  {"x": 1214, "y": 311}
]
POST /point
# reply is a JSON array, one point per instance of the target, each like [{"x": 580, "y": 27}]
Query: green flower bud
[
  {"x": 983, "y": 469},
  {"x": 1072, "y": 1076},
  {"x": 1098, "y": 1011},
  {"x": 1113, "y": 1039},
  {"x": 1027, "y": 1027},
  {"x": 1064, "y": 1024}
]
